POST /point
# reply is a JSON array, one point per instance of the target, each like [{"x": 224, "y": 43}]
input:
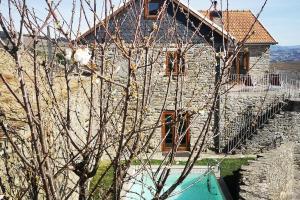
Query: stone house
[
  {"x": 243, "y": 25},
  {"x": 205, "y": 34}
]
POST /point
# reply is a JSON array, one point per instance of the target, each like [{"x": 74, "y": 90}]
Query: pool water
[{"x": 195, "y": 186}]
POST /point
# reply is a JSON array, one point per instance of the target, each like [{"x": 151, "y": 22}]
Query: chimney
[
  {"x": 215, "y": 4},
  {"x": 215, "y": 15}
]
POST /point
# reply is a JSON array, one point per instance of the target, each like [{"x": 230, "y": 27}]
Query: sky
[{"x": 280, "y": 17}]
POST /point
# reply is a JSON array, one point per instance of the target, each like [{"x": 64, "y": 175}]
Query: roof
[
  {"x": 239, "y": 23},
  {"x": 184, "y": 5}
]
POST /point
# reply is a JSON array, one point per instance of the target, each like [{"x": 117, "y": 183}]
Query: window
[
  {"x": 152, "y": 8},
  {"x": 175, "y": 130},
  {"x": 240, "y": 69},
  {"x": 175, "y": 63},
  {"x": 240, "y": 64}
]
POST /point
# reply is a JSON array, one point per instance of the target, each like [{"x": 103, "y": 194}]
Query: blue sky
[{"x": 281, "y": 18}]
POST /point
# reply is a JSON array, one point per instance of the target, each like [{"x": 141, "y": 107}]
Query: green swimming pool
[{"x": 194, "y": 187}]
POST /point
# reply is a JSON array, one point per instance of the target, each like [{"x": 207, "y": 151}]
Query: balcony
[{"x": 273, "y": 82}]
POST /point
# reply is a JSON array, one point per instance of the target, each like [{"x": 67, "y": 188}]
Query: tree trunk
[
  {"x": 82, "y": 189},
  {"x": 34, "y": 193}
]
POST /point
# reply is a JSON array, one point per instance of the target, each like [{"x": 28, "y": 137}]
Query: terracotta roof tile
[{"x": 239, "y": 22}]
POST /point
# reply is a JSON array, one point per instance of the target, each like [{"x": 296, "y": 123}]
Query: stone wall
[
  {"x": 276, "y": 173},
  {"x": 296, "y": 185},
  {"x": 194, "y": 93},
  {"x": 259, "y": 62},
  {"x": 234, "y": 104},
  {"x": 270, "y": 176},
  {"x": 285, "y": 126},
  {"x": 195, "y": 86}
]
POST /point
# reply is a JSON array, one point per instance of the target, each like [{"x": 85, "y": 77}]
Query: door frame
[
  {"x": 246, "y": 61},
  {"x": 174, "y": 137}
]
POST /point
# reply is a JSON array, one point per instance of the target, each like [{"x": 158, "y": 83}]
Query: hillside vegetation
[{"x": 287, "y": 66}]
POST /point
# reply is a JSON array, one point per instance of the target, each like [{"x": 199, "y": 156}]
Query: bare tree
[{"x": 105, "y": 107}]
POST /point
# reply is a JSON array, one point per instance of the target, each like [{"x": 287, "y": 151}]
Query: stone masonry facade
[
  {"x": 234, "y": 104},
  {"x": 270, "y": 176},
  {"x": 284, "y": 127},
  {"x": 259, "y": 62},
  {"x": 195, "y": 87},
  {"x": 198, "y": 82}
]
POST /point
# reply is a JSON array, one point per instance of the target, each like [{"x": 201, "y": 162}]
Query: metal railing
[
  {"x": 236, "y": 133},
  {"x": 249, "y": 121},
  {"x": 262, "y": 83}
]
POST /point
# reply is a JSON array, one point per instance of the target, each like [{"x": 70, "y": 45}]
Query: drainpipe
[{"x": 216, "y": 128}]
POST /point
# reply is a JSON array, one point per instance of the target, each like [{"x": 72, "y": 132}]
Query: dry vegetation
[
  {"x": 287, "y": 66},
  {"x": 8, "y": 104}
]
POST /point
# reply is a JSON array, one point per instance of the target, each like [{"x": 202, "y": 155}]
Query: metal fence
[{"x": 247, "y": 123}]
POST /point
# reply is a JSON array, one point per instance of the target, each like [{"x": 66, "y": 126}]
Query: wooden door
[{"x": 172, "y": 134}]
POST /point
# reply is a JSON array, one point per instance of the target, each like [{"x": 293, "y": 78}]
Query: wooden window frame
[
  {"x": 246, "y": 62},
  {"x": 174, "y": 137},
  {"x": 146, "y": 9},
  {"x": 163, "y": 128},
  {"x": 176, "y": 70},
  {"x": 246, "y": 58}
]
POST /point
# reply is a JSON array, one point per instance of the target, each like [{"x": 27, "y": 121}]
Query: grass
[
  {"x": 106, "y": 181},
  {"x": 229, "y": 168}
]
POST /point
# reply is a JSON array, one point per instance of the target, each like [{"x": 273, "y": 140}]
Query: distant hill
[{"x": 285, "y": 53}]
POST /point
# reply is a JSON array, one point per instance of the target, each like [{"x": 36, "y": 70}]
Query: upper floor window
[
  {"x": 175, "y": 63},
  {"x": 152, "y": 8},
  {"x": 240, "y": 68},
  {"x": 240, "y": 64}
]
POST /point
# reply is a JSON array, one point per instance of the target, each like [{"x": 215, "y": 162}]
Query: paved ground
[{"x": 184, "y": 156}]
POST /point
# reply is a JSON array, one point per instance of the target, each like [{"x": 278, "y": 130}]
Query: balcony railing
[{"x": 263, "y": 83}]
